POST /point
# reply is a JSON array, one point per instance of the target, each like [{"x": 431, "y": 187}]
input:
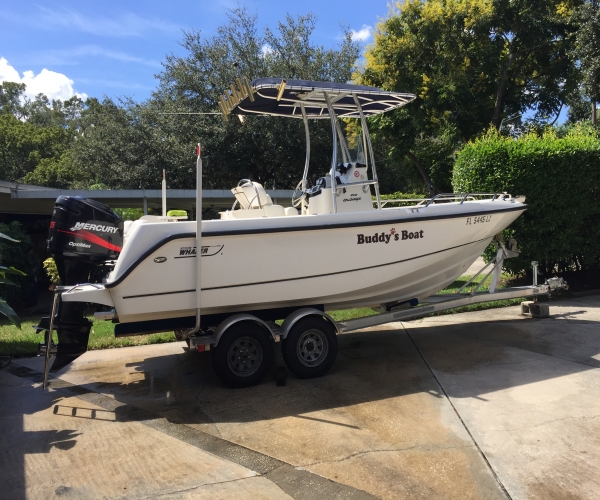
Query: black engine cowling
[{"x": 84, "y": 234}]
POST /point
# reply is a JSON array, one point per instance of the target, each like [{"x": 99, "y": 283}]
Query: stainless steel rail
[{"x": 449, "y": 198}]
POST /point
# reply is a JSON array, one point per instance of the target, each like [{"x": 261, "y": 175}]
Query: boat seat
[
  {"x": 253, "y": 213},
  {"x": 248, "y": 194},
  {"x": 251, "y": 195}
]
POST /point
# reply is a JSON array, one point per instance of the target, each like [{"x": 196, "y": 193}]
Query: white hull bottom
[
  {"x": 335, "y": 267},
  {"x": 417, "y": 278}
]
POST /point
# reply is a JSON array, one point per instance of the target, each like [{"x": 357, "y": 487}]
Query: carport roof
[{"x": 20, "y": 198}]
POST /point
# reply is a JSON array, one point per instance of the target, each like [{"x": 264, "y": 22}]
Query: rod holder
[
  {"x": 281, "y": 89},
  {"x": 249, "y": 89}
]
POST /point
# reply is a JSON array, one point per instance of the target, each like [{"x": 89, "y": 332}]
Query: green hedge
[
  {"x": 400, "y": 196},
  {"x": 560, "y": 178},
  {"x": 17, "y": 255}
]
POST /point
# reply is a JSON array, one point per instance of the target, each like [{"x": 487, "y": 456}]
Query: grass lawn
[
  {"x": 454, "y": 287},
  {"x": 17, "y": 343}
]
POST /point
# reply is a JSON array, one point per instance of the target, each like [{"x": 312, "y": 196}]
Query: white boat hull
[{"x": 329, "y": 260}]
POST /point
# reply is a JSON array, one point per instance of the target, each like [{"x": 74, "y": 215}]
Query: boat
[{"x": 337, "y": 247}]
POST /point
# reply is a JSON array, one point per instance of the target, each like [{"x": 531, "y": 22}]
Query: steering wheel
[{"x": 298, "y": 195}]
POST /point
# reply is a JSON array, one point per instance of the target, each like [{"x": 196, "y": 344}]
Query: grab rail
[
  {"x": 400, "y": 200},
  {"x": 352, "y": 184},
  {"x": 448, "y": 198}
]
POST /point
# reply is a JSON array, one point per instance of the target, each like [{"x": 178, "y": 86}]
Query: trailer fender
[
  {"x": 236, "y": 318},
  {"x": 291, "y": 320}
]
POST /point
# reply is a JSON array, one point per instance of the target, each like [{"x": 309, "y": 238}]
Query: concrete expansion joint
[
  {"x": 194, "y": 488},
  {"x": 580, "y": 417},
  {"x": 461, "y": 420},
  {"x": 237, "y": 407},
  {"x": 390, "y": 450},
  {"x": 593, "y": 365},
  {"x": 218, "y": 431},
  {"x": 509, "y": 363},
  {"x": 520, "y": 348}
]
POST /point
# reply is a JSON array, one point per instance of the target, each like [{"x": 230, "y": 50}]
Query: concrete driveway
[{"x": 476, "y": 405}]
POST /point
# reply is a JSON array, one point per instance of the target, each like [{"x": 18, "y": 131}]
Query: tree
[
  {"x": 535, "y": 70},
  {"x": 587, "y": 51},
  {"x": 56, "y": 113},
  {"x": 36, "y": 136},
  {"x": 124, "y": 144},
  {"x": 472, "y": 63},
  {"x": 41, "y": 111},
  {"x": 11, "y": 95},
  {"x": 23, "y": 146},
  {"x": 268, "y": 149},
  {"x": 121, "y": 145}
]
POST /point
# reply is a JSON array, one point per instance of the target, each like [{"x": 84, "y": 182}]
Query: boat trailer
[
  {"x": 412, "y": 309},
  {"x": 308, "y": 335},
  {"x": 301, "y": 322}
]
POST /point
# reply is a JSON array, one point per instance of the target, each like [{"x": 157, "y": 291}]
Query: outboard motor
[{"x": 84, "y": 235}]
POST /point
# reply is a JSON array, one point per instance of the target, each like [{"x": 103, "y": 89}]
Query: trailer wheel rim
[
  {"x": 312, "y": 347},
  {"x": 244, "y": 356}
]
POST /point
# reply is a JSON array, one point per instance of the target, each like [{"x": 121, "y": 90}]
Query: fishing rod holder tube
[
  {"x": 369, "y": 146},
  {"x": 334, "y": 157},
  {"x": 188, "y": 333}
]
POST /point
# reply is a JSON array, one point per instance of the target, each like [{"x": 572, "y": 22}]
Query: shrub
[
  {"x": 129, "y": 213},
  {"x": 560, "y": 178},
  {"x": 400, "y": 196},
  {"x": 51, "y": 270},
  {"x": 17, "y": 255},
  {"x": 11, "y": 271}
]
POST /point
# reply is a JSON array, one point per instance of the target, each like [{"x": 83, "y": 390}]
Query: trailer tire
[
  {"x": 310, "y": 348},
  {"x": 244, "y": 354}
]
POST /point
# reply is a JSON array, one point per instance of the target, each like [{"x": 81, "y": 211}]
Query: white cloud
[
  {"x": 70, "y": 55},
  {"x": 116, "y": 84},
  {"x": 119, "y": 26},
  {"x": 266, "y": 50},
  {"x": 54, "y": 85},
  {"x": 363, "y": 34}
]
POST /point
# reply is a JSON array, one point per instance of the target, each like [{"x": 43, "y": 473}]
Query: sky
[{"x": 115, "y": 48}]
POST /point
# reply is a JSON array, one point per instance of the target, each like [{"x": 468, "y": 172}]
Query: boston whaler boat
[{"x": 336, "y": 248}]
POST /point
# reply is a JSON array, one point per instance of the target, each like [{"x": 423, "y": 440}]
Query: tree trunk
[
  {"x": 428, "y": 184},
  {"x": 500, "y": 92},
  {"x": 593, "y": 112}
]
